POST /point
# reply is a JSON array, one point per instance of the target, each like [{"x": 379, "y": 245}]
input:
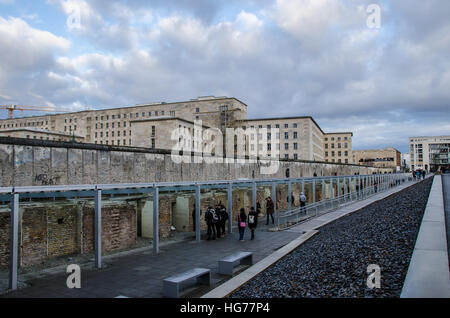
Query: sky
[{"x": 385, "y": 77}]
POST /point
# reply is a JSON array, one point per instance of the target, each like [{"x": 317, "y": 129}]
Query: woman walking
[
  {"x": 252, "y": 221},
  {"x": 242, "y": 223}
]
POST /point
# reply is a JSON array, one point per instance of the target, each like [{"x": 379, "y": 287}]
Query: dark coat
[
  {"x": 270, "y": 207},
  {"x": 255, "y": 216},
  {"x": 242, "y": 217}
]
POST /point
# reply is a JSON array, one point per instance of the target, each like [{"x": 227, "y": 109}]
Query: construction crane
[{"x": 12, "y": 108}]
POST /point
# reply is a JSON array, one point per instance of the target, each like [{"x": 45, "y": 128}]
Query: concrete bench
[
  {"x": 171, "y": 285},
  {"x": 227, "y": 263}
]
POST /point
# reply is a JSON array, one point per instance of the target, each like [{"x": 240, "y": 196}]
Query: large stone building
[
  {"x": 380, "y": 158},
  {"x": 338, "y": 147},
  {"x": 297, "y": 137},
  {"x": 152, "y": 126},
  {"x": 42, "y": 134},
  {"x": 430, "y": 153}
]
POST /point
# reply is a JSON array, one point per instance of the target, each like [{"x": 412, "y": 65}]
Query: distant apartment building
[
  {"x": 152, "y": 126},
  {"x": 430, "y": 153},
  {"x": 338, "y": 147},
  {"x": 381, "y": 158}
]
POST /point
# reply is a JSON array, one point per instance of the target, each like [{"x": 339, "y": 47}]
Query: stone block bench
[
  {"x": 227, "y": 263},
  {"x": 171, "y": 285}
]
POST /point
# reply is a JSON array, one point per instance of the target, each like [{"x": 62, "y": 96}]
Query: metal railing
[{"x": 289, "y": 218}]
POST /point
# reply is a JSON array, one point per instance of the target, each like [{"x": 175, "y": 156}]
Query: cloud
[{"x": 282, "y": 58}]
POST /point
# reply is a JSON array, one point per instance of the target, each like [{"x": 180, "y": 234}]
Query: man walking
[
  {"x": 211, "y": 220},
  {"x": 302, "y": 203},
  {"x": 269, "y": 210}
]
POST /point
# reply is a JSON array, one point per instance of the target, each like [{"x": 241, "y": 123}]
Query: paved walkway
[
  {"x": 141, "y": 274},
  {"x": 428, "y": 271}
]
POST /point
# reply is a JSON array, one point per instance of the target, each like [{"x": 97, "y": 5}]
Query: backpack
[
  {"x": 223, "y": 214},
  {"x": 214, "y": 217}
]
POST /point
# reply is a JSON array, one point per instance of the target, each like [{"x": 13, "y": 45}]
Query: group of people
[
  {"x": 217, "y": 217},
  {"x": 419, "y": 174}
]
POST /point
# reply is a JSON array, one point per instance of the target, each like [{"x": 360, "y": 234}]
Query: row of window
[
  {"x": 111, "y": 142},
  {"x": 333, "y": 153},
  {"x": 339, "y": 145},
  {"x": 269, "y": 136},
  {"x": 339, "y": 160},
  {"x": 29, "y": 124},
  {"x": 135, "y": 115},
  {"x": 294, "y": 125},
  {"x": 269, "y": 146},
  {"x": 107, "y": 134},
  {"x": 338, "y": 138}
]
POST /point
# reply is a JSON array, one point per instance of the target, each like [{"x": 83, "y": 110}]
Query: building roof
[
  {"x": 199, "y": 99},
  {"x": 39, "y": 130}
]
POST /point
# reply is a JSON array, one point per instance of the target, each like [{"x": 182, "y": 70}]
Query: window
[
  {"x": 112, "y": 117},
  {"x": 326, "y": 146},
  {"x": 112, "y": 125},
  {"x": 339, "y": 145},
  {"x": 143, "y": 114},
  {"x": 346, "y": 145},
  {"x": 286, "y": 156},
  {"x": 172, "y": 113},
  {"x": 326, "y": 153},
  {"x": 346, "y": 153},
  {"x": 107, "y": 117},
  {"x": 277, "y": 126},
  {"x": 131, "y": 115},
  {"x": 269, "y": 126},
  {"x": 286, "y": 135},
  {"x": 332, "y": 146},
  {"x": 153, "y": 131},
  {"x": 156, "y": 113},
  {"x": 124, "y": 133},
  {"x": 197, "y": 110},
  {"x": 295, "y": 146},
  {"x": 332, "y": 154},
  {"x": 286, "y": 125},
  {"x": 339, "y": 153},
  {"x": 137, "y": 115},
  {"x": 107, "y": 125},
  {"x": 124, "y": 124},
  {"x": 259, "y": 126},
  {"x": 153, "y": 142},
  {"x": 295, "y": 156},
  {"x": 162, "y": 113},
  {"x": 101, "y": 117},
  {"x": 286, "y": 146},
  {"x": 295, "y": 135},
  {"x": 295, "y": 125},
  {"x": 269, "y": 147},
  {"x": 269, "y": 136}
]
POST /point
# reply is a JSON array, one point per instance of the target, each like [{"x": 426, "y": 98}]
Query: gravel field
[{"x": 334, "y": 262}]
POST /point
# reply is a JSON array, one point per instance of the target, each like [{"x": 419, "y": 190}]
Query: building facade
[
  {"x": 42, "y": 134},
  {"x": 381, "y": 158},
  {"x": 430, "y": 153},
  {"x": 338, "y": 147},
  {"x": 297, "y": 138},
  {"x": 152, "y": 125}
]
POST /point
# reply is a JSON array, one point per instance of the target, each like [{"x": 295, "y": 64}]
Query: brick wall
[{"x": 50, "y": 230}]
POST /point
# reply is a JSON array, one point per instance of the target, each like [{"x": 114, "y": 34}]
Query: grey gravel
[{"x": 334, "y": 262}]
